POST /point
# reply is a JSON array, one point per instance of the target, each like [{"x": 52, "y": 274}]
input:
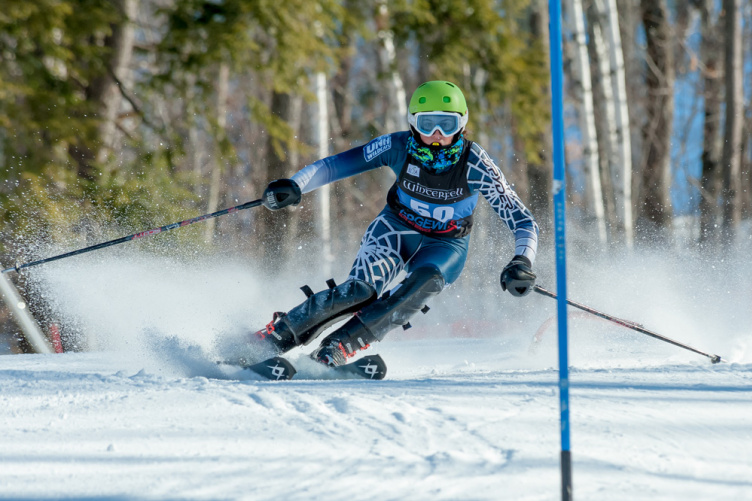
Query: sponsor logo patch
[
  {"x": 377, "y": 147},
  {"x": 434, "y": 193},
  {"x": 428, "y": 225},
  {"x": 413, "y": 170}
]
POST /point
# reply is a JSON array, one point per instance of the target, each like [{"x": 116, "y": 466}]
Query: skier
[{"x": 424, "y": 229}]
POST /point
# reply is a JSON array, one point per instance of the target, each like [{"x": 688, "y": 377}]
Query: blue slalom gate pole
[{"x": 559, "y": 189}]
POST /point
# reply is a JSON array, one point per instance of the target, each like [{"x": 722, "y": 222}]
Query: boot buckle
[{"x": 269, "y": 329}]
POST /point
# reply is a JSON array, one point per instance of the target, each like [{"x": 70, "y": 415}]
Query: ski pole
[
  {"x": 136, "y": 236},
  {"x": 630, "y": 325}
]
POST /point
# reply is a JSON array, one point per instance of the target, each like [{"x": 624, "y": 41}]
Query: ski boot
[
  {"x": 306, "y": 321},
  {"x": 375, "y": 320}
]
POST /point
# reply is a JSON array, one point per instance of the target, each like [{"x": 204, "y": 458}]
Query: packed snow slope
[
  {"x": 96, "y": 426},
  {"x": 469, "y": 409}
]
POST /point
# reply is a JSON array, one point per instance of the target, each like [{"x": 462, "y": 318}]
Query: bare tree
[
  {"x": 280, "y": 227},
  {"x": 343, "y": 130},
  {"x": 655, "y": 206},
  {"x": 604, "y": 115},
  {"x": 712, "y": 71},
  {"x": 216, "y": 164},
  {"x": 583, "y": 89},
  {"x": 540, "y": 171},
  {"x": 105, "y": 93},
  {"x": 395, "y": 98},
  {"x": 747, "y": 133},
  {"x": 732, "y": 155},
  {"x": 518, "y": 174},
  {"x": 629, "y": 22},
  {"x": 621, "y": 169}
]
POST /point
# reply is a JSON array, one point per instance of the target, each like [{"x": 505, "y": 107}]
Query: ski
[{"x": 280, "y": 369}]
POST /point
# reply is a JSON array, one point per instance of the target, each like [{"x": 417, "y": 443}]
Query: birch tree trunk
[
  {"x": 732, "y": 155},
  {"x": 583, "y": 88},
  {"x": 656, "y": 210},
  {"x": 629, "y": 20},
  {"x": 622, "y": 174},
  {"x": 710, "y": 179},
  {"x": 605, "y": 114},
  {"x": 321, "y": 128}
]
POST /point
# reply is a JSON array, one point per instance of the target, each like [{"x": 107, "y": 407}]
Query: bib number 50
[{"x": 441, "y": 213}]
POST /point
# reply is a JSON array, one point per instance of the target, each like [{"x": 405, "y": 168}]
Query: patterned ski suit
[{"x": 428, "y": 217}]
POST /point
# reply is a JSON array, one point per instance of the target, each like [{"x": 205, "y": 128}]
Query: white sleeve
[{"x": 484, "y": 176}]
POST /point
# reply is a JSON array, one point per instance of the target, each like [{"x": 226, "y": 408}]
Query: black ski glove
[
  {"x": 518, "y": 277},
  {"x": 281, "y": 193}
]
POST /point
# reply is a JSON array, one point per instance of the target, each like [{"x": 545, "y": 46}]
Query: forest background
[{"x": 118, "y": 116}]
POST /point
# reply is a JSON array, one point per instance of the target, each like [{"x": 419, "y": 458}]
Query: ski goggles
[{"x": 428, "y": 122}]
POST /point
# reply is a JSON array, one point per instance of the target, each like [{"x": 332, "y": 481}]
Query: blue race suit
[{"x": 428, "y": 217}]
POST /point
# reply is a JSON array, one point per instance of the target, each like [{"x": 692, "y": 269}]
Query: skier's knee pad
[{"x": 307, "y": 320}]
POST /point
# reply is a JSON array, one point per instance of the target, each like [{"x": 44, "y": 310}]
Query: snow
[
  {"x": 148, "y": 414},
  {"x": 95, "y": 425}
]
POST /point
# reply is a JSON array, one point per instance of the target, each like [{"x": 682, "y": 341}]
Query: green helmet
[{"x": 438, "y": 95}]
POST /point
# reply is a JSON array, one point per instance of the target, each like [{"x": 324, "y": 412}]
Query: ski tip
[{"x": 371, "y": 367}]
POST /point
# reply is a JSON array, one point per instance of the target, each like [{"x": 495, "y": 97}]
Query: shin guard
[
  {"x": 374, "y": 321},
  {"x": 307, "y": 320}
]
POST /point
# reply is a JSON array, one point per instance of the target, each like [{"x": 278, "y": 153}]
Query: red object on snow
[{"x": 57, "y": 343}]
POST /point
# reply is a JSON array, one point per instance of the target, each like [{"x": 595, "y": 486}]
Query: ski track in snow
[{"x": 147, "y": 413}]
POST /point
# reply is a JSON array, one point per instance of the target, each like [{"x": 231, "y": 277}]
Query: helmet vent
[{"x": 447, "y": 99}]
